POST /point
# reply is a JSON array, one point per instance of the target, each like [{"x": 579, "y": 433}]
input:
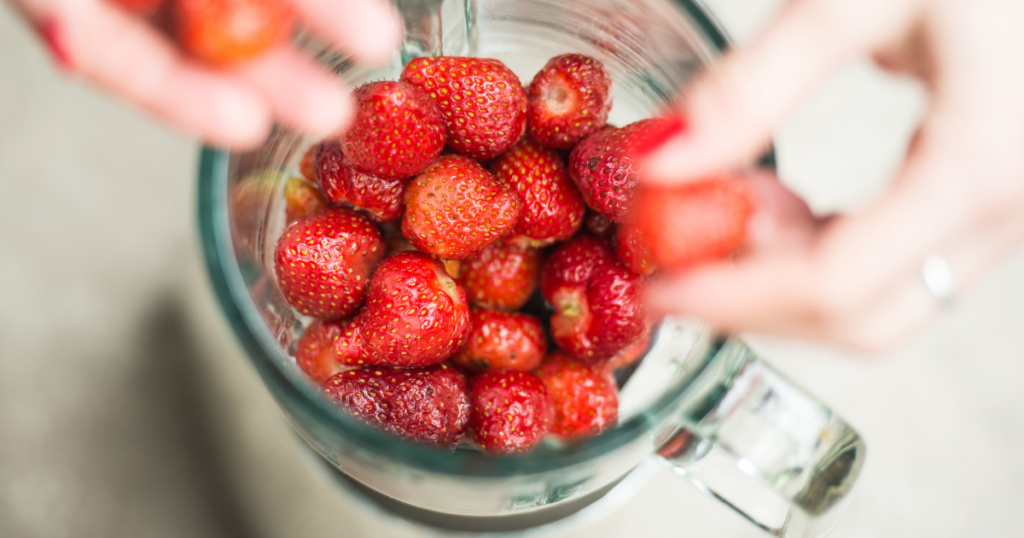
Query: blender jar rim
[{"x": 260, "y": 345}]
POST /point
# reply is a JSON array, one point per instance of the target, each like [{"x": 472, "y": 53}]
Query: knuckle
[
  {"x": 826, "y": 309},
  {"x": 851, "y": 22},
  {"x": 1004, "y": 192},
  {"x": 869, "y": 340},
  {"x": 830, "y": 303},
  {"x": 829, "y": 20},
  {"x": 987, "y": 179}
]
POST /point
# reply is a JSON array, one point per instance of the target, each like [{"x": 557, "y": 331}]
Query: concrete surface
[{"x": 127, "y": 409}]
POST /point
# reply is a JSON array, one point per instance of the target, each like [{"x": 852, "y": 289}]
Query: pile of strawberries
[{"x": 417, "y": 237}]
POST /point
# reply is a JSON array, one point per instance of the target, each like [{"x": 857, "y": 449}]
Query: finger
[
  {"x": 854, "y": 265},
  {"x": 129, "y": 58},
  {"x": 773, "y": 297},
  {"x": 368, "y": 29},
  {"x": 781, "y": 219},
  {"x": 732, "y": 108},
  {"x": 878, "y": 325},
  {"x": 300, "y": 93},
  {"x": 909, "y": 307},
  {"x": 780, "y": 232},
  {"x": 757, "y": 293}
]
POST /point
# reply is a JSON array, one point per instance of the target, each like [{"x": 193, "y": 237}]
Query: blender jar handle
[{"x": 755, "y": 441}]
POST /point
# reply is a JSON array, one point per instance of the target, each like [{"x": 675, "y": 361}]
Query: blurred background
[{"x": 127, "y": 409}]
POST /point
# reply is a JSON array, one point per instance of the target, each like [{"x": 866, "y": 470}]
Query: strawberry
[
  {"x": 568, "y": 100},
  {"x": 456, "y": 208},
  {"x": 502, "y": 340},
  {"x": 552, "y": 207},
  {"x": 633, "y": 352},
  {"x": 314, "y": 351},
  {"x": 510, "y": 411},
  {"x": 605, "y": 166},
  {"x": 306, "y": 166},
  {"x": 501, "y": 276},
  {"x": 425, "y": 405},
  {"x": 302, "y": 198},
  {"x": 397, "y": 132},
  {"x": 572, "y": 263},
  {"x": 694, "y": 222},
  {"x": 598, "y": 224},
  {"x": 596, "y": 300},
  {"x": 586, "y": 398},
  {"x": 324, "y": 262},
  {"x": 633, "y": 250},
  {"x": 595, "y": 322},
  {"x": 229, "y": 31},
  {"x": 380, "y": 199},
  {"x": 415, "y": 315},
  {"x": 483, "y": 102}
]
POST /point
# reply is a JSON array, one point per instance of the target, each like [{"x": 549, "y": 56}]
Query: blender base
[{"x": 557, "y": 518}]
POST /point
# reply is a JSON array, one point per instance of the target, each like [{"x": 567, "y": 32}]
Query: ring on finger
[{"x": 938, "y": 279}]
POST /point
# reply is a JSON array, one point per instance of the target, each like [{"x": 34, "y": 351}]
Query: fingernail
[
  {"x": 49, "y": 30},
  {"x": 659, "y": 133}
]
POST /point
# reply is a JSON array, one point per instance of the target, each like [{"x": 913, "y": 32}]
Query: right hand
[{"x": 856, "y": 279}]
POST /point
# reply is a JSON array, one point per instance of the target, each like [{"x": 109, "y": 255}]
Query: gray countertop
[{"x": 127, "y": 409}]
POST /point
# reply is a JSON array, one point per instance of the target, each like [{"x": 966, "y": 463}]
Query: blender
[{"x": 699, "y": 402}]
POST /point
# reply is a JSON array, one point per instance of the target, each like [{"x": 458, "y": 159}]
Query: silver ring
[{"x": 938, "y": 278}]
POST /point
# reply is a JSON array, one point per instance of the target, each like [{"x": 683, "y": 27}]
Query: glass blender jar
[{"x": 699, "y": 402}]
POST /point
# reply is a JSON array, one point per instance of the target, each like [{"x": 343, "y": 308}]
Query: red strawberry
[
  {"x": 381, "y": 199},
  {"x": 397, "y": 132},
  {"x": 456, "y": 208},
  {"x": 302, "y": 198},
  {"x": 595, "y": 322},
  {"x": 425, "y": 405},
  {"x": 230, "y": 31},
  {"x": 586, "y": 398},
  {"x": 552, "y": 207},
  {"x": 631, "y": 353},
  {"x": 605, "y": 167},
  {"x": 598, "y": 224},
  {"x": 502, "y": 340},
  {"x": 483, "y": 102},
  {"x": 596, "y": 300},
  {"x": 510, "y": 411},
  {"x": 314, "y": 352},
  {"x": 415, "y": 315},
  {"x": 695, "y": 222},
  {"x": 501, "y": 276},
  {"x": 324, "y": 262},
  {"x": 306, "y": 166},
  {"x": 572, "y": 263},
  {"x": 568, "y": 100},
  {"x": 633, "y": 250}
]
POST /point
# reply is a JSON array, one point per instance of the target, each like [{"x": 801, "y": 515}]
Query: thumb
[{"x": 731, "y": 109}]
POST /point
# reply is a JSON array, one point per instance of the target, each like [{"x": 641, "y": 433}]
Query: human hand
[
  {"x": 857, "y": 279},
  {"x": 233, "y": 106}
]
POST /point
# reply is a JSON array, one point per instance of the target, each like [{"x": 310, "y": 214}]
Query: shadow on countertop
[{"x": 140, "y": 458}]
